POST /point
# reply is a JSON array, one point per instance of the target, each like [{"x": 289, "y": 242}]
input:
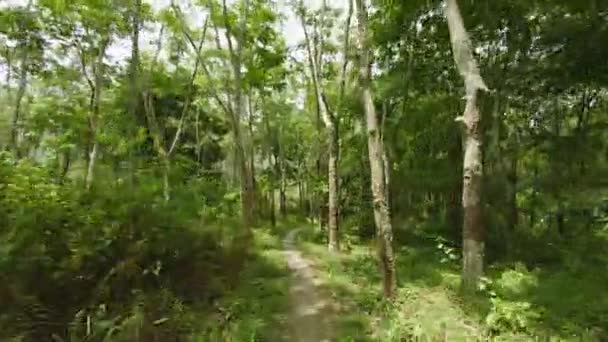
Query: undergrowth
[{"x": 513, "y": 304}]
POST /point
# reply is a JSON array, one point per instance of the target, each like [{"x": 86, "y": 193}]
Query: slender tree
[
  {"x": 375, "y": 147},
  {"x": 314, "y": 53}
]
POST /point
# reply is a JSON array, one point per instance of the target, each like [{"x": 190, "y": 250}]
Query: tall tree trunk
[
  {"x": 332, "y": 176},
  {"x": 247, "y": 182},
  {"x": 282, "y": 185},
  {"x": 251, "y": 152},
  {"x": 18, "y": 101},
  {"x": 134, "y": 65},
  {"x": 314, "y": 58},
  {"x": 273, "y": 216},
  {"x": 135, "y": 89},
  {"x": 94, "y": 114},
  {"x": 473, "y": 230},
  {"x": 376, "y": 151}
]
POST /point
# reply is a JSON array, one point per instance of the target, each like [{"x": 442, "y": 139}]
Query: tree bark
[
  {"x": 473, "y": 229},
  {"x": 282, "y": 184},
  {"x": 332, "y": 140},
  {"x": 273, "y": 216},
  {"x": 247, "y": 183},
  {"x": 65, "y": 166},
  {"x": 94, "y": 114},
  {"x": 18, "y": 100},
  {"x": 376, "y": 152}
]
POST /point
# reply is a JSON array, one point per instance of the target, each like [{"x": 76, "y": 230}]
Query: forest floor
[{"x": 294, "y": 289}]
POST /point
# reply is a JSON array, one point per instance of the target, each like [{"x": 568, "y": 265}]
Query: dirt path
[{"x": 311, "y": 314}]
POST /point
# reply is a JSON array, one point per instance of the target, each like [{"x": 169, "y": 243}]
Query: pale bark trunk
[
  {"x": 376, "y": 151},
  {"x": 332, "y": 174},
  {"x": 18, "y": 100},
  {"x": 166, "y": 181},
  {"x": 251, "y": 151},
  {"x": 14, "y": 143},
  {"x": 314, "y": 59},
  {"x": 273, "y": 216},
  {"x": 135, "y": 91},
  {"x": 94, "y": 114},
  {"x": 473, "y": 229},
  {"x": 65, "y": 166},
  {"x": 247, "y": 184},
  {"x": 90, "y": 175},
  {"x": 134, "y": 66},
  {"x": 282, "y": 185}
]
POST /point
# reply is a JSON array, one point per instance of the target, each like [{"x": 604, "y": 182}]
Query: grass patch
[
  {"x": 425, "y": 306},
  {"x": 256, "y": 310},
  {"x": 517, "y": 304}
]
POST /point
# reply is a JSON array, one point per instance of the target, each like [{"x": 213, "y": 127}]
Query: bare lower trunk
[
  {"x": 273, "y": 216},
  {"x": 387, "y": 176},
  {"x": 65, "y": 166},
  {"x": 282, "y": 184},
  {"x": 166, "y": 182},
  {"x": 300, "y": 196},
  {"x": 247, "y": 181},
  {"x": 94, "y": 113},
  {"x": 17, "y": 112},
  {"x": 333, "y": 224},
  {"x": 90, "y": 175},
  {"x": 376, "y": 152},
  {"x": 247, "y": 195},
  {"x": 315, "y": 54},
  {"x": 473, "y": 229}
]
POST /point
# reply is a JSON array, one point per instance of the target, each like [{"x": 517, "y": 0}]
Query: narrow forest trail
[{"x": 312, "y": 312}]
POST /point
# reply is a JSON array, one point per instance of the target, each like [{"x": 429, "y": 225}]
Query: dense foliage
[{"x": 151, "y": 157}]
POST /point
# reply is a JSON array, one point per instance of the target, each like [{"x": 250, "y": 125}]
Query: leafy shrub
[
  {"x": 509, "y": 309},
  {"x": 90, "y": 260}
]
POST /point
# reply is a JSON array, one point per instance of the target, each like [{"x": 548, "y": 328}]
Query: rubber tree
[
  {"x": 375, "y": 146},
  {"x": 473, "y": 229},
  {"x": 330, "y": 120}
]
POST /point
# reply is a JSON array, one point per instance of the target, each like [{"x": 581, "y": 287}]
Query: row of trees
[
  {"x": 541, "y": 115},
  {"x": 207, "y": 97}
]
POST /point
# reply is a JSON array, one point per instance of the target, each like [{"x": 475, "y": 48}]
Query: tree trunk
[
  {"x": 334, "y": 241},
  {"x": 247, "y": 182},
  {"x": 134, "y": 65},
  {"x": 473, "y": 230},
  {"x": 94, "y": 114},
  {"x": 273, "y": 216},
  {"x": 283, "y": 190},
  {"x": 376, "y": 151},
  {"x": 332, "y": 139},
  {"x": 18, "y": 100},
  {"x": 65, "y": 166},
  {"x": 166, "y": 181},
  {"x": 251, "y": 152},
  {"x": 90, "y": 175}
]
